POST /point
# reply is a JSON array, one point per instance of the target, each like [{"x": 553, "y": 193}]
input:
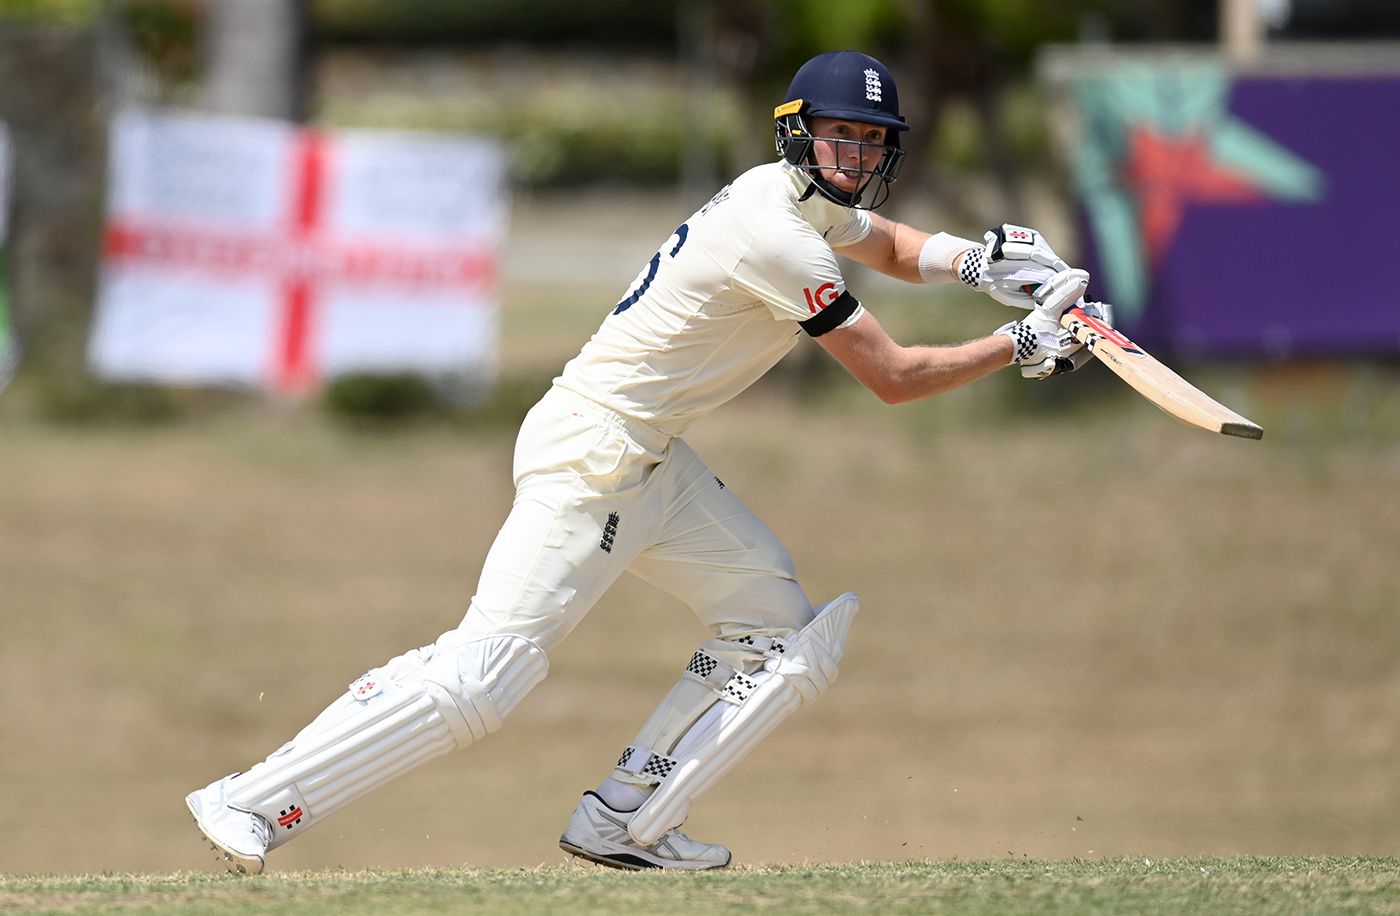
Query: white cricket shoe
[
  {"x": 598, "y": 833},
  {"x": 239, "y": 838}
]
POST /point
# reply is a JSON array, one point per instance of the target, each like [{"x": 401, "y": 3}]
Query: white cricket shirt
[{"x": 722, "y": 301}]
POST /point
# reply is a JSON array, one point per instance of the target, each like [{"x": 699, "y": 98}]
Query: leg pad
[
  {"x": 800, "y": 672},
  {"x": 419, "y": 706}
]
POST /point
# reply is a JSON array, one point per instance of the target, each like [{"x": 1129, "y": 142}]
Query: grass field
[
  {"x": 1236, "y": 885},
  {"x": 1090, "y": 636}
]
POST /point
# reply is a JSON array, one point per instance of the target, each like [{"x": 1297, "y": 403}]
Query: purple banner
[{"x": 1254, "y": 217}]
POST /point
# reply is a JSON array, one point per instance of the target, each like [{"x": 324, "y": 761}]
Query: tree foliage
[
  {"x": 643, "y": 26},
  {"x": 71, "y": 11}
]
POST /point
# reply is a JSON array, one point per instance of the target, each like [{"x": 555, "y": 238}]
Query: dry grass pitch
[{"x": 1089, "y": 634}]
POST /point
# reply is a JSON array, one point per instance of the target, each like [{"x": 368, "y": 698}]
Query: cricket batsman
[{"x": 606, "y": 484}]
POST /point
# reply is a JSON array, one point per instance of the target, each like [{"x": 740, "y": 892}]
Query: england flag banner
[{"x": 258, "y": 253}]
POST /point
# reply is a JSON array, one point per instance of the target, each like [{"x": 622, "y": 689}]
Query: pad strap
[
  {"x": 732, "y": 685},
  {"x": 644, "y": 762},
  {"x": 768, "y": 645}
]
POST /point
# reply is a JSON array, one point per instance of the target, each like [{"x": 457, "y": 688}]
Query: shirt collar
[{"x": 818, "y": 210}]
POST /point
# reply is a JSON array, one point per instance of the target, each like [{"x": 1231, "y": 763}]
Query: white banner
[{"x": 254, "y": 252}]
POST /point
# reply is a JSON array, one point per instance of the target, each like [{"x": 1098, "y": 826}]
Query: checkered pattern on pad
[{"x": 644, "y": 762}]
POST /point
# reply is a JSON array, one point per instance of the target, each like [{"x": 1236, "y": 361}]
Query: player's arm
[
  {"x": 891, "y": 248},
  {"x": 910, "y": 254},
  {"x": 1009, "y": 264},
  {"x": 896, "y": 373}
]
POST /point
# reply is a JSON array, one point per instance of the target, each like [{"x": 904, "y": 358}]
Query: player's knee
[
  {"x": 811, "y": 660},
  {"x": 761, "y": 604},
  {"x": 808, "y": 655},
  {"x": 484, "y": 679}
]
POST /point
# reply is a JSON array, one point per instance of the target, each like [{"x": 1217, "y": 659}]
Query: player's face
[{"x": 847, "y": 151}]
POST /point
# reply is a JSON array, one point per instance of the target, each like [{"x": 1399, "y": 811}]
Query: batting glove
[
  {"x": 1042, "y": 347},
  {"x": 1014, "y": 262}
]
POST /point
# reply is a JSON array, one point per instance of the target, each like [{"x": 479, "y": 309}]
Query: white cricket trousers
[{"x": 598, "y": 493}]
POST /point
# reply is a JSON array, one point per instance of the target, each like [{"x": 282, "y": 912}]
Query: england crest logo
[{"x": 872, "y": 85}]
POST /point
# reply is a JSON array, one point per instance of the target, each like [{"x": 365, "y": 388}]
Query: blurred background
[{"x": 278, "y": 280}]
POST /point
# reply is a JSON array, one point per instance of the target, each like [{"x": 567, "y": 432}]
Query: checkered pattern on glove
[
  {"x": 1023, "y": 338},
  {"x": 970, "y": 271}
]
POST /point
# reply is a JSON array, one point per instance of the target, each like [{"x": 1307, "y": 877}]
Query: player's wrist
[
  {"x": 1019, "y": 340},
  {"x": 939, "y": 255}
]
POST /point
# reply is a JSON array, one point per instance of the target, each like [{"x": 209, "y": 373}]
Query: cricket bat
[{"x": 1155, "y": 381}]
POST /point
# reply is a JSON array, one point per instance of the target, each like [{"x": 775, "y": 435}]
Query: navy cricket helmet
[{"x": 850, "y": 86}]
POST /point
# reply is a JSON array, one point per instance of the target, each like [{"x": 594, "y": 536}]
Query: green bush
[
  {"x": 370, "y": 401},
  {"x": 80, "y": 399},
  {"x": 373, "y": 398}
]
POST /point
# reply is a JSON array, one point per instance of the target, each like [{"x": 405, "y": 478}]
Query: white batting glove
[
  {"x": 1064, "y": 288},
  {"x": 1042, "y": 347},
  {"x": 1013, "y": 264}
]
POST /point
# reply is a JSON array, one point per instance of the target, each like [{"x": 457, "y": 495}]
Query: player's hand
[
  {"x": 1015, "y": 261},
  {"x": 1042, "y": 347},
  {"x": 1103, "y": 311},
  {"x": 1042, "y": 354}
]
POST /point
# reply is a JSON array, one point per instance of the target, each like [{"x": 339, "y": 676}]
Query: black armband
[{"x": 831, "y": 317}]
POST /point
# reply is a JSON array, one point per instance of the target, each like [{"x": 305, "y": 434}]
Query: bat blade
[{"x": 1153, "y": 380}]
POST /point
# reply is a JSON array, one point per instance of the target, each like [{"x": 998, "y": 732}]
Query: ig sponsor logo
[{"x": 822, "y": 297}]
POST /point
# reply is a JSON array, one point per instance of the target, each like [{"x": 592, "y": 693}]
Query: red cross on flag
[{"x": 253, "y": 252}]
